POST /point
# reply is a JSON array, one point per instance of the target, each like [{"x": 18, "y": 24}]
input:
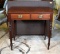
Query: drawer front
[
  {"x": 40, "y": 16},
  {"x": 20, "y": 16}
]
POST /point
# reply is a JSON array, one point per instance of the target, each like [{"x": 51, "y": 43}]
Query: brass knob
[
  {"x": 40, "y": 16},
  {"x": 50, "y": 2},
  {"x": 20, "y": 16}
]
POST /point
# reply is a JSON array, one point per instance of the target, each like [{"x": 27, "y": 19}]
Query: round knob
[
  {"x": 20, "y": 16},
  {"x": 40, "y": 16},
  {"x": 50, "y": 2}
]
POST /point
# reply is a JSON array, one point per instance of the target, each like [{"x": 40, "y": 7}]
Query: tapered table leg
[
  {"x": 49, "y": 33},
  {"x": 45, "y": 31},
  {"x": 13, "y": 29},
  {"x": 10, "y": 33},
  {"x": 14, "y": 24}
]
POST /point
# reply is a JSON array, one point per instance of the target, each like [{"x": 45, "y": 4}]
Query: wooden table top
[{"x": 29, "y": 10}]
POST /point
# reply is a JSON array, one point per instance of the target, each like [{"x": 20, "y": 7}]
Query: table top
[{"x": 29, "y": 10}]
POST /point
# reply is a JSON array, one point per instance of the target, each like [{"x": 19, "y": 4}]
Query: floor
[{"x": 30, "y": 44}]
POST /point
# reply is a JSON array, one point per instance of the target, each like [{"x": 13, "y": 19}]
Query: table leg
[
  {"x": 14, "y": 24},
  {"x": 45, "y": 31},
  {"x": 10, "y": 33},
  {"x": 49, "y": 33},
  {"x": 13, "y": 29}
]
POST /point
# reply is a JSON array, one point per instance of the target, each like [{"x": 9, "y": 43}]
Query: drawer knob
[
  {"x": 40, "y": 16},
  {"x": 50, "y": 2},
  {"x": 20, "y": 16}
]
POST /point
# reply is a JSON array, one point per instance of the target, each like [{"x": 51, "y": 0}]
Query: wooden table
[{"x": 30, "y": 14}]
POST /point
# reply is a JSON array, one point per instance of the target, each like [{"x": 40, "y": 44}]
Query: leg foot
[
  {"x": 48, "y": 45},
  {"x": 45, "y": 38}
]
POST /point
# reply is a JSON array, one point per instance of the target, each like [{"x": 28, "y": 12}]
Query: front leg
[
  {"x": 10, "y": 33},
  {"x": 49, "y": 32}
]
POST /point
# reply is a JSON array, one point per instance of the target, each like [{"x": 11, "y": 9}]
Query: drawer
[
  {"x": 20, "y": 16},
  {"x": 40, "y": 16}
]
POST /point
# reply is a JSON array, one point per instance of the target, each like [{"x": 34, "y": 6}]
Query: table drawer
[
  {"x": 20, "y": 16},
  {"x": 40, "y": 16}
]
